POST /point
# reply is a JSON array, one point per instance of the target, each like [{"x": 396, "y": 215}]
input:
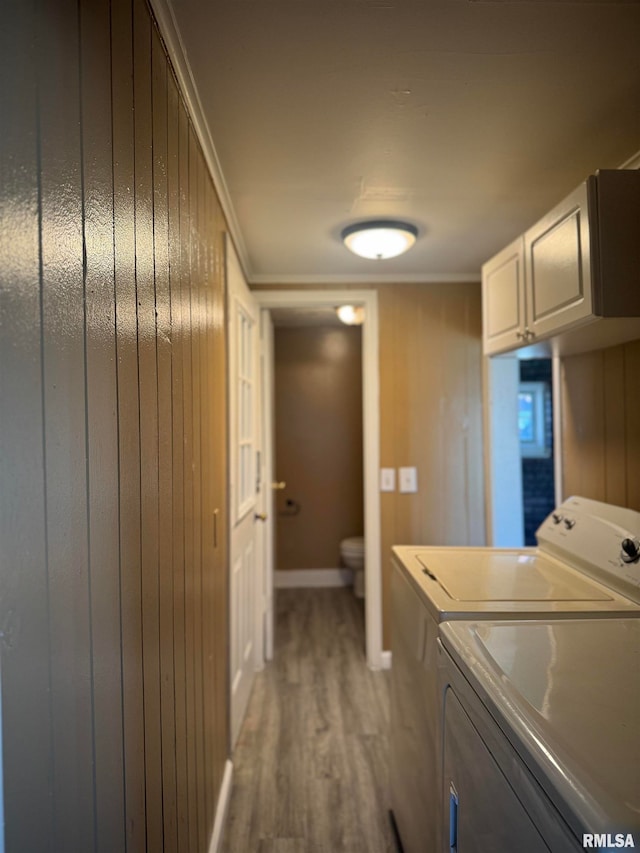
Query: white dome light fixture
[
  {"x": 352, "y": 315},
  {"x": 379, "y": 239}
]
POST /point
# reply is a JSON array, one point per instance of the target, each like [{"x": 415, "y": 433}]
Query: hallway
[{"x": 310, "y": 766}]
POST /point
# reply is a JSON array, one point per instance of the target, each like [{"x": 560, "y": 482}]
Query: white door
[{"x": 246, "y": 551}]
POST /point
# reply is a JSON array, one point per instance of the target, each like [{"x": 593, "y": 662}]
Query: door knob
[
  {"x": 279, "y": 486},
  {"x": 260, "y": 516}
]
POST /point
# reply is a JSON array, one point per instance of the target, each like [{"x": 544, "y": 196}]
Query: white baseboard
[
  {"x": 222, "y": 808},
  {"x": 385, "y": 660},
  {"x": 297, "y": 578}
]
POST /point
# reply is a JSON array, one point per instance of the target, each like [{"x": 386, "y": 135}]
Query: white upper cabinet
[
  {"x": 558, "y": 267},
  {"x": 503, "y": 299},
  {"x": 576, "y": 267}
]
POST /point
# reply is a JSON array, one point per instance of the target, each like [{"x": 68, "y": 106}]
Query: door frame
[
  {"x": 376, "y": 657},
  {"x": 503, "y": 489},
  {"x": 266, "y": 616}
]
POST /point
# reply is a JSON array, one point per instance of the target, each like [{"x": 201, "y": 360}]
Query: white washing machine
[
  {"x": 586, "y": 563},
  {"x": 540, "y": 735}
]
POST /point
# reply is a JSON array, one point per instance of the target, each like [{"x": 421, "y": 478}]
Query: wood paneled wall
[
  {"x": 430, "y": 361},
  {"x": 601, "y": 425},
  {"x": 431, "y": 416},
  {"x": 113, "y": 593},
  {"x": 318, "y": 443}
]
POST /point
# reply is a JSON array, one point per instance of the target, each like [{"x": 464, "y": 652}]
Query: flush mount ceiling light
[
  {"x": 352, "y": 315},
  {"x": 379, "y": 239}
]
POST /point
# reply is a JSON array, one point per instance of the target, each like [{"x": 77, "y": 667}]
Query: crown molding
[
  {"x": 632, "y": 163},
  {"x": 170, "y": 33},
  {"x": 335, "y": 280}
]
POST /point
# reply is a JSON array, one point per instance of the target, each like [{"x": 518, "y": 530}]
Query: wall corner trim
[
  {"x": 222, "y": 808},
  {"x": 168, "y": 27}
]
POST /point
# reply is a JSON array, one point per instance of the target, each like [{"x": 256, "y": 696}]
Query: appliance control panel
[{"x": 597, "y": 538}]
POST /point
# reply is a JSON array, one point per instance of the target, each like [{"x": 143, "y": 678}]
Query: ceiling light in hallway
[{"x": 379, "y": 239}]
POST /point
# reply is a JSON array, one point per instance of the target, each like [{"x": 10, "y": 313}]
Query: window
[{"x": 532, "y": 405}]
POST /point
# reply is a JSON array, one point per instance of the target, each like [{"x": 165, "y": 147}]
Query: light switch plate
[
  {"x": 408, "y": 480},
  {"x": 387, "y": 479}
]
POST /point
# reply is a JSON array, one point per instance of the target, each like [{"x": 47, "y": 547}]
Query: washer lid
[
  {"x": 488, "y": 575},
  {"x": 567, "y": 695}
]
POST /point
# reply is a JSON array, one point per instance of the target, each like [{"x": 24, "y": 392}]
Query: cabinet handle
[
  {"x": 453, "y": 819},
  {"x": 526, "y": 335}
]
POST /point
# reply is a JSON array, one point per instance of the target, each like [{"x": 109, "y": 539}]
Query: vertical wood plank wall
[
  {"x": 430, "y": 360},
  {"x": 601, "y": 425},
  {"x": 113, "y": 592}
]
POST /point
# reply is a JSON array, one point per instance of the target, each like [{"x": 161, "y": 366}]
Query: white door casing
[
  {"x": 268, "y": 501},
  {"x": 502, "y": 460},
  {"x": 245, "y": 552},
  {"x": 376, "y": 657},
  {"x": 503, "y": 467}
]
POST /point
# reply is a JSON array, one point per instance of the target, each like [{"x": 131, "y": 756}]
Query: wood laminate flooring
[{"x": 310, "y": 765}]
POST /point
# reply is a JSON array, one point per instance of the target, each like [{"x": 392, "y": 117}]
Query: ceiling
[{"x": 468, "y": 118}]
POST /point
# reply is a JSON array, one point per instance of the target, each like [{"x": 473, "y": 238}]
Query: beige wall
[
  {"x": 113, "y": 598},
  {"x": 430, "y": 415},
  {"x": 318, "y": 443},
  {"x": 601, "y": 425}
]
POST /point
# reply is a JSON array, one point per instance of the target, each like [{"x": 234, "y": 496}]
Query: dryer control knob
[
  {"x": 557, "y": 518},
  {"x": 630, "y": 550},
  {"x": 569, "y": 523}
]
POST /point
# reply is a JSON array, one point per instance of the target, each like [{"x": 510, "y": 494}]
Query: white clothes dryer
[
  {"x": 540, "y": 743},
  {"x": 587, "y": 563}
]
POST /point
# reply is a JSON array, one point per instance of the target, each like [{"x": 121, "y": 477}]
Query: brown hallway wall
[
  {"x": 318, "y": 443},
  {"x": 113, "y": 599}
]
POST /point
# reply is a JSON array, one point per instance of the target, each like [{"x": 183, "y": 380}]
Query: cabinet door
[
  {"x": 503, "y": 299},
  {"x": 558, "y": 267}
]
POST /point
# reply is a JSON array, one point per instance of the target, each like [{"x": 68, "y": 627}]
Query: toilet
[{"x": 352, "y": 553}]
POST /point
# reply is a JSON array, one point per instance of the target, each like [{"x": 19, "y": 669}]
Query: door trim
[
  {"x": 371, "y": 439},
  {"x": 266, "y": 616},
  {"x": 503, "y": 473},
  {"x": 498, "y": 380}
]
